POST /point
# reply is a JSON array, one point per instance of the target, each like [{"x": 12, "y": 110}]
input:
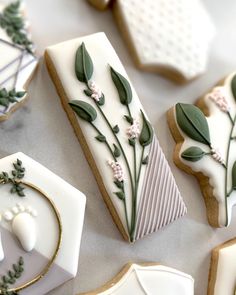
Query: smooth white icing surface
[
  {"x": 169, "y": 33},
  {"x": 226, "y": 271},
  {"x": 152, "y": 280},
  {"x": 9, "y": 54},
  {"x": 219, "y": 126},
  {"x": 1, "y": 249},
  {"x": 103, "y": 55},
  {"x": 69, "y": 201}
]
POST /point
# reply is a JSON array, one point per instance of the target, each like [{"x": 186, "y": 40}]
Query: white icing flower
[
  {"x": 134, "y": 130},
  {"x": 96, "y": 91},
  {"x": 216, "y": 155},
  {"x": 118, "y": 172},
  {"x": 218, "y": 96}
]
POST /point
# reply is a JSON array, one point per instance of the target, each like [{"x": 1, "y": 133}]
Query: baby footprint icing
[{"x": 23, "y": 225}]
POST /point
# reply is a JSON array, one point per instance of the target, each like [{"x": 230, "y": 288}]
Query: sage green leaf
[
  {"x": 101, "y": 100},
  {"x": 120, "y": 195},
  {"x": 101, "y": 138},
  {"x": 233, "y": 86},
  {"x": 145, "y": 161},
  {"x": 119, "y": 184},
  {"x": 20, "y": 94},
  {"x": 84, "y": 110},
  {"x": 3, "y": 93},
  {"x": 116, "y": 129},
  {"x": 132, "y": 141},
  {"x": 122, "y": 86},
  {"x": 4, "y": 102},
  {"x": 193, "y": 154},
  {"x": 83, "y": 64},
  {"x": 146, "y": 134},
  {"x": 129, "y": 119},
  {"x": 116, "y": 151},
  {"x": 88, "y": 92},
  {"x": 234, "y": 176},
  {"x": 192, "y": 121}
]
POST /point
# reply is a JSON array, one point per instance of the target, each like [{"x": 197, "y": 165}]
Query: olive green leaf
[
  {"x": 83, "y": 64},
  {"x": 84, "y": 110},
  {"x": 122, "y": 86},
  {"x": 88, "y": 92},
  {"x": 101, "y": 138},
  {"x": 119, "y": 184},
  {"x": 193, "y": 154},
  {"x": 101, "y": 101},
  {"x": 129, "y": 119},
  {"x": 120, "y": 195},
  {"x": 116, "y": 129},
  {"x": 193, "y": 122},
  {"x": 233, "y": 86},
  {"x": 234, "y": 176},
  {"x": 132, "y": 141},
  {"x": 146, "y": 134},
  {"x": 145, "y": 161},
  {"x": 116, "y": 151}
]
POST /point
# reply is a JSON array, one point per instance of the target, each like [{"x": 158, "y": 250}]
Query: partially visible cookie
[
  {"x": 169, "y": 37},
  {"x": 147, "y": 278},
  {"x": 222, "y": 276},
  {"x": 100, "y": 4},
  {"x": 18, "y": 61},
  {"x": 205, "y": 138}
]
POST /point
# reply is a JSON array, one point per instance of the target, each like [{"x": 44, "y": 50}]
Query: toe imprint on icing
[{"x": 23, "y": 225}]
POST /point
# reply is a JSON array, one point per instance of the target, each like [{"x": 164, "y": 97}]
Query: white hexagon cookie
[{"x": 41, "y": 225}]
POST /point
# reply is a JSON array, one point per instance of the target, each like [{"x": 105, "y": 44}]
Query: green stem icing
[
  {"x": 227, "y": 194},
  {"x": 140, "y": 164}
]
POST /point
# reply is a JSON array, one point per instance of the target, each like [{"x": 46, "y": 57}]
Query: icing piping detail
[
  {"x": 84, "y": 72},
  {"x": 160, "y": 200}
]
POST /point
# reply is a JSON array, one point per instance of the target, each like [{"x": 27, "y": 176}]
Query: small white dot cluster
[
  {"x": 174, "y": 34},
  {"x": 117, "y": 170},
  {"x": 216, "y": 155},
  {"x": 96, "y": 91},
  {"x": 19, "y": 208},
  {"x": 134, "y": 130},
  {"x": 218, "y": 96}
]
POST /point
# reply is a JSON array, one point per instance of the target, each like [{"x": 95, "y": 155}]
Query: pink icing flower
[
  {"x": 218, "y": 96},
  {"x": 216, "y": 155},
  {"x": 134, "y": 130},
  {"x": 96, "y": 91},
  {"x": 117, "y": 170}
]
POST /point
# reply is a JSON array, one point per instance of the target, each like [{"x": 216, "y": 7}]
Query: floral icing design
[
  {"x": 85, "y": 111},
  {"x": 193, "y": 123}
]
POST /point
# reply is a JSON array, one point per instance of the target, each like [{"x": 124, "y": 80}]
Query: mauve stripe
[{"x": 160, "y": 201}]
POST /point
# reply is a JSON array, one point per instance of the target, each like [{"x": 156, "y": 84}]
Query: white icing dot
[
  {"x": 8, "y": 216},
  {"x": 15, "y": 210}
]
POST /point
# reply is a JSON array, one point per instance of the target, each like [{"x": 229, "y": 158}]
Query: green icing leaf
[
  {"x": 119, "y": 184},
  {"x": 88, "y": 92},
  {"x": 132, "y": 141},
  {"x": 101, "y": 101},
  {"x": 146, "y": 134},
  {"x": 101, "y": 138},
  {"x": 116, "y": 129},
  {"x": 116, "y": 151},
  {"x": 234, "y": 176},
  {"x": 84, "y": 110},
  {"x": 145, "y": 161},
  {"x": 122, "y": 86},
  {"x": 83, "y": 64},
  {"x": 129, "y": 119},
  {"x": 193, "y": 154},
  {"x": 120, "y": 195},
  {"x": 193, "y": 122},
  {"x": 233, "y": 86}
]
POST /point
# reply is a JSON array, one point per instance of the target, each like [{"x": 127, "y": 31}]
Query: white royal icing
[
  {"x": 219, "y": 126},
  {"x": 152, "y": 280},
  {"x": 170, "y": 34},
  {"x": 33, "y": 222},
  {"x": 225, "y": 282},
  {"x": 1, "y": 249},
  {"x": 11, "y": 64}
]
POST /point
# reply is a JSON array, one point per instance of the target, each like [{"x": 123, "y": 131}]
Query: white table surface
[{"x": 42, "y": 131}]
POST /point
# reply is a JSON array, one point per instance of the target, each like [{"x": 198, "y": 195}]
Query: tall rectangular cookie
[{"x": 116, "y": 136}]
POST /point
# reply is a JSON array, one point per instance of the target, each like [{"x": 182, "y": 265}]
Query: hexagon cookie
[
  {"x": 165, "y": 36},
  {"x": 18, "y": 60},
  {"x": 147, "y": 278},
  {"x": 41, "y": 225},
  {"x": 222, "y": 277}
]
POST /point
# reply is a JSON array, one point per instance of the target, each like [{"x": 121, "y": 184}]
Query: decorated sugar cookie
[
  {"x": 205, "y": 147},
  {"x": 39, "y": 248},
  {"x": 116, "y": 135},
  {"x": 149, "y": 279},
  {"x": 222, "y": 278},
  {"x": 18, "y": 61},
  {"x": 165, "y": 36}
]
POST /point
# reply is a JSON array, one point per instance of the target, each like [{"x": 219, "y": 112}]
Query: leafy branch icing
[
  {"x": 193, "y": 123},
  {"x": 134, "y": 134}
]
